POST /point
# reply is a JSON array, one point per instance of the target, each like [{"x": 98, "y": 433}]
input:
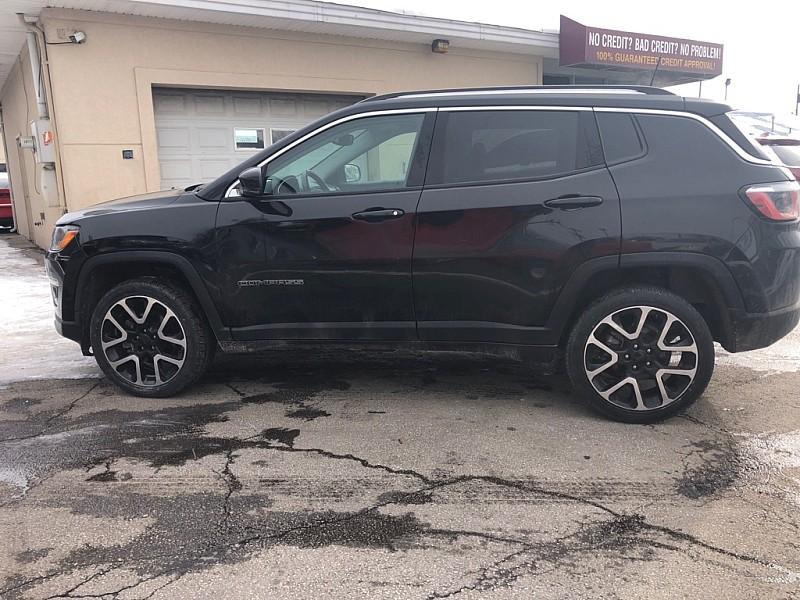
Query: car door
[
  {"x": 515, "y": 199},
  {"x": 325, "y": 253}
]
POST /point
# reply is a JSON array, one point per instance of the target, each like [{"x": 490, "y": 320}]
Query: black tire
[
  {"x": 199, "y": 341},
  {"x": 623, "y": 303}
]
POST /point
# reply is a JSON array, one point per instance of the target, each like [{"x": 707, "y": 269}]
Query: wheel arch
[
  {"x": 702, "y": 280},
  {"x": 101, "y": 272}
]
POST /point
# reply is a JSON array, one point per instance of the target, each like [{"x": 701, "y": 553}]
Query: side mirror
[
  {"x": 352, "y": 173},
  {"x": 251, "y": 182}
]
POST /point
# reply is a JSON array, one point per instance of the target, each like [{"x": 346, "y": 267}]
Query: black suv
[{"x": 621, "y": 230}]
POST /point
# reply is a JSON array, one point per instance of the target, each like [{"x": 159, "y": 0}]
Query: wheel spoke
[
  {"x": 158, "y": 358},
  {"x": 636, "y": 390},
  {"x": 612, "y": 361},
  {"x": 169, "y": 359},
  {"x": 110, "y": 319},
  {"x": 662, "y": 388},
  {"x": 662, "y": 341},
  {"x": 138, "y": 320},
  {"x": 645, "y": 311},
  {"x": 172, "y": 340},
  {"x": 129, "y": 358}
]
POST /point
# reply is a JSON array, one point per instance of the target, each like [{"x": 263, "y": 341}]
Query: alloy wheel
[
  {"x": 143, "y": 341},
  {"x": 641, "y": 358}
]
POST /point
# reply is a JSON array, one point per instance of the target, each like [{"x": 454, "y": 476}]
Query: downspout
[
  {"x": 36, "y": 66},
  {"x": 40, "y": 68}
]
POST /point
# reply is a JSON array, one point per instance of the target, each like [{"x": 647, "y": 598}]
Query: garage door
[{"x": 203, "y": 133}]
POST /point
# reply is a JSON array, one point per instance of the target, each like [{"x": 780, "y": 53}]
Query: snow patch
[{"x": 30, "y": 347}]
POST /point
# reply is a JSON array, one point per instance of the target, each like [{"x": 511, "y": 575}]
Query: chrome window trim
[
  {"x": 547, "y": 107},
  {"x": 521, "y": 91},
  {"x": 373, "y": 113},
  {"x": 743, "y": 154}
]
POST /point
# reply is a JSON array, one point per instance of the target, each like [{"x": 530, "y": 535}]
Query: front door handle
[
  {"x": 573, "y": 201},
  {"x": 376, "y": 215}
]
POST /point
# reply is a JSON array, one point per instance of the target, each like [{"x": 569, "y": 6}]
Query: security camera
[{"x": 78, "y": 37}]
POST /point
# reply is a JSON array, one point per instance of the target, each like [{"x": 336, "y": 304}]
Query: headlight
[{"x": 62, "y": 236}]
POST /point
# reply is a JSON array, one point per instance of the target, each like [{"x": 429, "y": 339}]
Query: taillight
[{"x": 776, "y": 201}]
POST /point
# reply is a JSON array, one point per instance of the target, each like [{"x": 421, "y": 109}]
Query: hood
[{"x": 129, "y": 203}]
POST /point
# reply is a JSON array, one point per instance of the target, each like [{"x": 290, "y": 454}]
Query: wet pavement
[
  {"x": 354, "y": 475},
  {"x": 395, "y": 476}
]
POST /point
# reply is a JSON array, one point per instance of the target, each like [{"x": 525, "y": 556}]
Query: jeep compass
[{"x": 617, "y": 231}]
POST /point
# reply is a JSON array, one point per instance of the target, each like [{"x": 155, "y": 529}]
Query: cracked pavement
[{"x": 395, "y": 476}]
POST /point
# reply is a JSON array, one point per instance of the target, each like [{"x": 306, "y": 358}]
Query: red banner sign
[{"x": 581, "y": 45}]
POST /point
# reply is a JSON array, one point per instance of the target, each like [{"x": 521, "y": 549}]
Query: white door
[{"x": 203, "y": 133}]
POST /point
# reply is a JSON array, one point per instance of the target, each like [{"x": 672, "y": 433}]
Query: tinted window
[
  {"x": 499, "y": 145},
  {"x": 369, "y": 154},
  {"x": 621, "y": 139},
  {"x": 789, "y": 155}
]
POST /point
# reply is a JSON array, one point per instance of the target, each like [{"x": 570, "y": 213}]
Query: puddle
[{"x": 720, "y": 466}]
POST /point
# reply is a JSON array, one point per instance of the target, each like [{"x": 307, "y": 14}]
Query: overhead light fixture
[{"x": 440, "y": 46}]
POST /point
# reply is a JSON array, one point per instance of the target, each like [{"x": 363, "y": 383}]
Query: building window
[
  {"x": 278, "y": 134},
  {"x": 248, "y": 138}
]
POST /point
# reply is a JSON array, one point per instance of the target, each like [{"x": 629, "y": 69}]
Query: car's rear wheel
[
  {"x": 640, "y": 354},
  {"x": 150, "y": 338}
]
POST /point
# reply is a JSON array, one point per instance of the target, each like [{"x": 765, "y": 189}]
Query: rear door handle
[
  {"x": 573, "y": 201},
  {"x": 376, "y": 215}
]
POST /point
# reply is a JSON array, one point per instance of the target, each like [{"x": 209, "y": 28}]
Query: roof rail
[{"x": 522, "y": 89}]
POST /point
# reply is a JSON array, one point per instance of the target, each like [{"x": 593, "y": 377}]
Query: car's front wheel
[
  {"x": 640, "y": 354},
  {"x": 150, "y": 338}
]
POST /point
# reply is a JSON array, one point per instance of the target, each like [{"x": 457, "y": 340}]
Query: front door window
[{"x": 368, "y": 154}]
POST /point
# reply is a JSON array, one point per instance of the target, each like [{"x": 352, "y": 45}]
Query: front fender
[{"x": 150, "y": 257}]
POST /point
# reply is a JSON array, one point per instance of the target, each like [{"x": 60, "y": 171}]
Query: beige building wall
[
  {"x": 34, "y": 218},
  {"x": 102, "y": 89}
]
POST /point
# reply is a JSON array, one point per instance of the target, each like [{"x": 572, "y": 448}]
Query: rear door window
[{"x": 486, "y": 146}]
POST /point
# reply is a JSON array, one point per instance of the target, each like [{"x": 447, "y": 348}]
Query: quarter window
[
  {"x": 368, "y": 154},
  {"x": 621, "y": 138},
  {"x": 503, "y": 145}
]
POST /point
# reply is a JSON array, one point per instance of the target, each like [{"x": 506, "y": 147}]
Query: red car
[
  {"x": 786, "y": 150},
  {"x": 6, "y": 214}
]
